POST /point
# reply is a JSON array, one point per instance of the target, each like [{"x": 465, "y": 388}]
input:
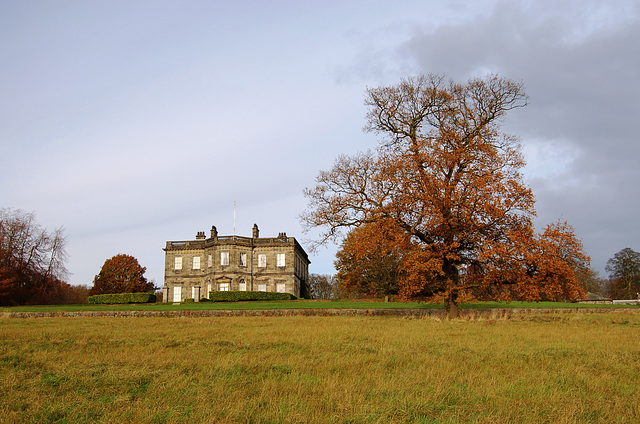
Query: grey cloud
[{"x": 580, "y": 64}]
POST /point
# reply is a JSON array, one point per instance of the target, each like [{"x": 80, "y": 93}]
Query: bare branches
[{"x": 31, "y": 259}]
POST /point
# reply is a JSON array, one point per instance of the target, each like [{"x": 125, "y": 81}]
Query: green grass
[
  {"x": 298, "y": 304},
  {"x": 534, "y": 368}
]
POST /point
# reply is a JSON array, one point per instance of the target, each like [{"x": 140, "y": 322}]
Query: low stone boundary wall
[{"x": 417, "y": 313}]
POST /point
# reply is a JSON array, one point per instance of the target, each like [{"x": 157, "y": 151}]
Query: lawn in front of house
[{"x": 530, "y": 368}]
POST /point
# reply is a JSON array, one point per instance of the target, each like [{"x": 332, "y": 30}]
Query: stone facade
[{"x": 193, "y": 268}]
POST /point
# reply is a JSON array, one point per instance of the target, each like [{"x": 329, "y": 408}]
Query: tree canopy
[
  {"x": 369, "y": 262},
  {"x": 447, "y": 178},
  {"x": 121, "y": 274},
  {"x": 32, "y": 260},
  {"x": 624, "y": 274},
  {"x": 322, "y": 286}
]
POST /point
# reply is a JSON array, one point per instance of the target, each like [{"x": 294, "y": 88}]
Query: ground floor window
[
  {"x": 242, "y": 286},
  {"x": 224, "y": 286},
  {"x": 177, "y": 294},
  {"x": 262, "y": 287},
  {"x": 280, "y": 287}
]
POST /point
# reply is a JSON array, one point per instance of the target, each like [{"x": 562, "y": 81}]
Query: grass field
[
  {"x": 300, "y": 304},
  {"x": 535, "y": 368}
]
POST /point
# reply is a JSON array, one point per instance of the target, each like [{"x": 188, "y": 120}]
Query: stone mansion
[{"x": 193, "y": 268}]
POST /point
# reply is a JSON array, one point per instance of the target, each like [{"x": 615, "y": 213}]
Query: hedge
[
  {"x": 117, "y": 298},
  {"x": 235, "y": 296}
]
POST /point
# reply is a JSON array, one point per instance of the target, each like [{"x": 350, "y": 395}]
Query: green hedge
[
  {"x": 118, "y": 298},
  {"x": 235, "y": 296}
]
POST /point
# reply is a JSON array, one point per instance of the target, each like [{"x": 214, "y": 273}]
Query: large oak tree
[{"x": 448, "y": 178}]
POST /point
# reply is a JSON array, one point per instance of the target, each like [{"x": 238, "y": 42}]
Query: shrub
[
  {"x": 188, "y": 300},
  {"x": 118, "y": 298},
  {"x": 235, "y": 296}
]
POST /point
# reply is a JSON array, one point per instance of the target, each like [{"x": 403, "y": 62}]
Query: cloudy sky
[{"x": 131, "y": 123}]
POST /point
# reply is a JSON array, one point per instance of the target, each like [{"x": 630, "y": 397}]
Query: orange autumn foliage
[
  {"x": 538, "y": 267},
  {"x": 121, "y": 274},
  {"x": 369, "y": 262},
  {"x": 448, "y": 181}
]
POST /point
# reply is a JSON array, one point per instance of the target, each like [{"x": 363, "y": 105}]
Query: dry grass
[{"x": 532, "y": 368}]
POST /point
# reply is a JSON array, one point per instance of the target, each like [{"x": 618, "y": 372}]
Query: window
[
  {"x": 242, "y": 286},
  {"x": 262, "y": 261},
  {"x": 177, "y": 263},
  {"x": 280, "y": 287},
  {"x": 262, "y": 287},
  {"x": 224, "y": 286},
  {"x": 243, "y": 259},
  {"x": 210, "y": 261},
  {"x": 196, "y": 262},
  {"x": 193, "y": 293},
  {"x": 281, "y": 259},
  {"x": 177, "y": 293},
  {"x": 224, "y": 258}
]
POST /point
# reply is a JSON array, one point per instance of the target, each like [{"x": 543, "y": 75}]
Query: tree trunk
[{"x": 451, "y": 308}]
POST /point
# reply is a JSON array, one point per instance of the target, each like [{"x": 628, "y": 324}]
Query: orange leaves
[
  {"x": 121, "y": 274},
  {"x": 535, "y": 267},
  {"x": 368, "y": 262},
  {"x": 423, "y": 275}
]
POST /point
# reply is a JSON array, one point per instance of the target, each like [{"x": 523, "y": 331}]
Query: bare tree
[
  {"x": 624, "y": 274},
  {"x": 32, "y": 260},
  {"x": 322, "y": 286}
]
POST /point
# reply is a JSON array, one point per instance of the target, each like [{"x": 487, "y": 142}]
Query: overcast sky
[{"x": 131, "y": 123}]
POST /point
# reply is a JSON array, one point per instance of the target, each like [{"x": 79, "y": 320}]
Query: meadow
[
  {"x": 302, "y": 304},
  {"x": 522, "y": 368}
]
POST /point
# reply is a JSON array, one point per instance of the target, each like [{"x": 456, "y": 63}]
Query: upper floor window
[
  {"x": 281, "y": 257},
  {"x": 262, "y": 261},
  {"x": 224, "y": 258},
  {"x": 177, "y": 263},
  {"x": 243, "y": 259},
  {"x": 196, "y": 262},
  {"x": 210, "y": 261}
]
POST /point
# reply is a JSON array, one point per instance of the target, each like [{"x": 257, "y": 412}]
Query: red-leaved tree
[{"x": 121, "y": 274}]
